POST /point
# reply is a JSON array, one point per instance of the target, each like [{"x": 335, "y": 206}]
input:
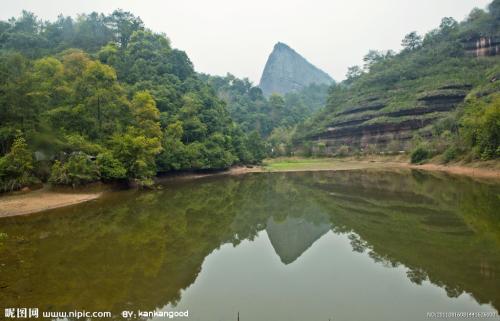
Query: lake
[{"x": 347, "y": 245}]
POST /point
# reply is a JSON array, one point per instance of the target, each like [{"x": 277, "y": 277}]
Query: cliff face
[
  {"x": 287, "y": 71},
  {"x": 483, "y": 46},
  {"x": 370, "y": 123}
]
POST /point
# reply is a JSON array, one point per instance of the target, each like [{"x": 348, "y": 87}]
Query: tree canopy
[{"x": 103, "y": 97}]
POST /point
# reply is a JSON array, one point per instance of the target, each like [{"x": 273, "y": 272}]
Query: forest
[{"x": 104, "y": 98}]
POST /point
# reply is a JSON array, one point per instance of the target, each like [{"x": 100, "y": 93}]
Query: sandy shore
[{"x": 40, "y": 200}]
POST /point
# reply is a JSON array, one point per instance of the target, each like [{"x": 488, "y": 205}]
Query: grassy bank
[{"x": 283, "y": 164}]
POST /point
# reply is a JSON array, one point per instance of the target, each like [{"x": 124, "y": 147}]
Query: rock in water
[{"x": 288, "y": 71}]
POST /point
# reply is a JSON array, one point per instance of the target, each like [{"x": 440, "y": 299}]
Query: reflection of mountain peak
[{"x": 293, "y": 236}]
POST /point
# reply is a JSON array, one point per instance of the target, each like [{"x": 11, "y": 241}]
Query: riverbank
[
  {"x": 46, "y": 198},
  {"x": 487, "y": 169},
  {"x": 29, "y": 202},
  {"x": 23, "y": 203}
]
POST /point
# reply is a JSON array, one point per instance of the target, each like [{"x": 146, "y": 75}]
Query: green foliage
[
  {"x": 147, "y": 116},
  {"x": 411, "y": 41},
  {"x": 419, "y": 155},
  {"x": 79, "y": 169},
  {"x": 321, "y": 148},
  {"x": 16, "y": 168},
  {"x": 256, "y": 147},
  {"x": 109, "y": 167},
  {"x": 450, "y": 154},
  {"x": 280, "y": 142},
  {"x": 481, "y": 125},
  {"x": 137, "y": 154},
  {"x": 107, "y": 87},
  {"x": 252, "y": 111},
  {"x": 307, "y": 149}
]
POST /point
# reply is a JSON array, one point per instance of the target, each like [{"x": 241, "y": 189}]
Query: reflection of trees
[
  {"x": 140, "y": 249},
  {"x": 442, "y": 228}
]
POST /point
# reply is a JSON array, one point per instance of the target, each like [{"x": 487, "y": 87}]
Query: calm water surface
[{"x": 352, "y": 245}]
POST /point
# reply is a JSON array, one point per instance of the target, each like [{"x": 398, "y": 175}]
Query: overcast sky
[{"x": 236, "y": 36}]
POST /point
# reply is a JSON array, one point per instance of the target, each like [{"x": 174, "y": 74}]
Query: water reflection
[{"x": 141, "y": 250}]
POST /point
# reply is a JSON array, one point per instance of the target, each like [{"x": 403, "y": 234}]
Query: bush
[
  {"x": 450, "y": 154},
  {"x": 321, "y": 149},
  {"x": 481, "y": 125},
  {"x": 110, "y": 168},
  {"x": 308, "y": 149},
  {"x": 16, "y": 167},
  {"x": 343, "y": 151},
  {"x": 78, "y": 170},
  {"x": 419, "y": 155}
]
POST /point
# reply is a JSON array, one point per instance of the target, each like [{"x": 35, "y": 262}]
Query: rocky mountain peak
[{"x": 287, "y": 71}]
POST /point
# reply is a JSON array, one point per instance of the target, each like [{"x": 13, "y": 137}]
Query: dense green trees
[
  {"x": 273, "y": 119},
  {"x": 252, "y": 111},
  {"x": 102, "y": 97}
]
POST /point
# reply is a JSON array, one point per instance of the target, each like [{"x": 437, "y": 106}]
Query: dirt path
[{"x": 40, "y": 200}]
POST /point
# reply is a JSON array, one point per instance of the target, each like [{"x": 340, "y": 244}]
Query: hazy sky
[{"x": 237, "y": 36}]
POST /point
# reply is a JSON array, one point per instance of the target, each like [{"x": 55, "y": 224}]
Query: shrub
[
  {"x": 481, "y": 125},
  {"x": 109, "y": 167},
  {"x": 419, "y": 155},
  {"x": 308, "y": 149},
  {"x": 137, "y": 153},
  {"x": 16, "y": 167},
  {"x": 77, "y": 170},
  {"x": 321, "y": 149},
  {"x": 343, "y": 151},
  {"x": 450, "y": 154}
]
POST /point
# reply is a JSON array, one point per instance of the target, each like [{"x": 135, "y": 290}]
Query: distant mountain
[{"x": 287, "y": 71}]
